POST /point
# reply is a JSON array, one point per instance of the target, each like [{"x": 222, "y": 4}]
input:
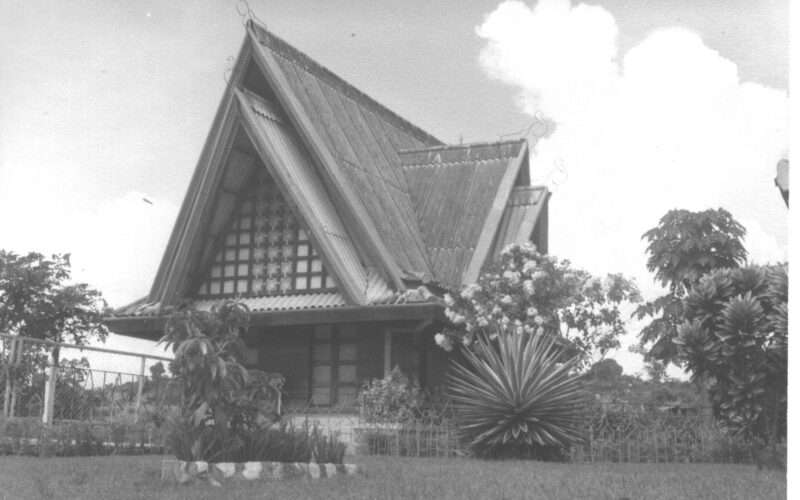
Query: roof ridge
[
  {"x": 467, "y": 145},
  {"x": 455, "y": 163},
  {"x": 284, "y": 49}
]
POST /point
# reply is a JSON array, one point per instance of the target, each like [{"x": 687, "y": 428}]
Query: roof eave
[
  {"x": 164, "y": 287},
  {"x": 151, "y": 327}
]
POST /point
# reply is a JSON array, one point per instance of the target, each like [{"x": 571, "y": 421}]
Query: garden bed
[{"x": 216, "y": 473}]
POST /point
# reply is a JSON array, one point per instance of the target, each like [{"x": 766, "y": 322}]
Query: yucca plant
[{"x": 515, "y": 396}]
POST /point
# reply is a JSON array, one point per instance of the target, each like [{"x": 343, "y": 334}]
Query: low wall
[{"x": 217, "y": 473}]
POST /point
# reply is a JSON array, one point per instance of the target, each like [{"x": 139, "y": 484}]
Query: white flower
[
  {"x": 506, "y": 299},
  {"x": 470, "y": 290},
  {"x": 511, "y": 276},
  {"x": 532, "y": 311},
  {"x": 448, "y": 300},
  {"x": 539, "y": 275},
  {"x": 527, "y": 286},
  {"x": 504, "y": 320},
  {"x": 509, "y": 248},
  {"x": 496, "y": 310},
  {"x": 458, "y": 319},
  {"x": 538, "y": 320},
  {"x": 443, "y": 341},
  {"x": 529, "y": 266},
  {"x": 482, "y": 321}
]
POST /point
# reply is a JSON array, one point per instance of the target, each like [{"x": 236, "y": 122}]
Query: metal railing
[{"x": 46, "y": 380}]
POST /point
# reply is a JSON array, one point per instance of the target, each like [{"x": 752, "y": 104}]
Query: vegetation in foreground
[{"x": 138, "y": 477}]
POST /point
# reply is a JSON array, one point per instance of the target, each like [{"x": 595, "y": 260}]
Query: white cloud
[{"x": 668, "y": 124}]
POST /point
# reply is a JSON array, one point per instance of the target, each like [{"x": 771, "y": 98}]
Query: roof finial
[{"x": 246, "y": 13}]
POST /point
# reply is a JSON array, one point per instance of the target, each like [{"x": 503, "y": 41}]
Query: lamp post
[{"x": 782, "y": 179}]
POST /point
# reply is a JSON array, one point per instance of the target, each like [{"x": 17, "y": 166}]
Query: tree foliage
[
  {"x": 37, "y": 300},
  {"x": 682, "y": 248},
  {"x": 735, "y": 340},
  {"x": 528, "y": 292}
]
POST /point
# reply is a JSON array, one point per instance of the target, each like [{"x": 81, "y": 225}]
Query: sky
[{"x": 105, "y": 105}]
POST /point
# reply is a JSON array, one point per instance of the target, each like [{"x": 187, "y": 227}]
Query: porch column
[{"x": 387, "y": 352}]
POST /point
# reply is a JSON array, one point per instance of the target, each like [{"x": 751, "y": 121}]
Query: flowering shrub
[
  {"x": 393, "y": 398},
  {"x": 528, "y": 292}
]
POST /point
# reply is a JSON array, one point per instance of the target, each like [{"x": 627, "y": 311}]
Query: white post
[
  {"x": 49, "y": 392},
  {"x": 387, "y": 352},
  {"x": 139, "y": 390}
]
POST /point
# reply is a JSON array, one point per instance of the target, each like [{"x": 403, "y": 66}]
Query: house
[{"x": 338, "y": 223}]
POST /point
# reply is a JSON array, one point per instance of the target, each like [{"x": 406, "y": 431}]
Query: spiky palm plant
[{"x": 512, "y": 396}]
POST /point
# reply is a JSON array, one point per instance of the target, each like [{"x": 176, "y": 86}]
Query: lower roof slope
[{"x": 452, "y": 189}]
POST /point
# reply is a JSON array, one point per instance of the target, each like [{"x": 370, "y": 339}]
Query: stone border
[{"x": 184, "y": 472}]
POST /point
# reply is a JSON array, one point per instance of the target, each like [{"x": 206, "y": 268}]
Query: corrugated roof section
[
  {"x": 452, "y": 189},
  {"x": 523, "y": 204},
  {"x": 282, "y": 302},
  {"x": 364, "y": 137}
]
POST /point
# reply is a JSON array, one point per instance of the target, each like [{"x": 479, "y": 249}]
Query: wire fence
[{"x": 53, "y": 398}]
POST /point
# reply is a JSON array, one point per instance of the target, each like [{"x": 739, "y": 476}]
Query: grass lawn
[{"x": 89, "y": 478}]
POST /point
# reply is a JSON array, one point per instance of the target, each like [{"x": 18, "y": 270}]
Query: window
[
  {"x": 266, "y": 251},
  {"x": 334, "y": 358}
]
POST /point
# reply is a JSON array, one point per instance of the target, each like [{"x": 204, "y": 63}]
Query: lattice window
[{"x": 266, "y": 251}]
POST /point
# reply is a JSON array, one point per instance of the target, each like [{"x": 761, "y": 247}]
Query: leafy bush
[
  {"x": 222, "y": 402},
  {"x": 513, "y": 398},
  {"x": 735, "y": 340},
  {"x": 393, "y": 398},
  {"x": 528, "y": 292},
  {"x": 31, "y": 437},
  {"x": 284, "y": 442}
]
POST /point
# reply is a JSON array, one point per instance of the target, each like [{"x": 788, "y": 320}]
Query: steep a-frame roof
[
  {"x": 362, "y": 138},
  {"x": 387, "y": 204}
]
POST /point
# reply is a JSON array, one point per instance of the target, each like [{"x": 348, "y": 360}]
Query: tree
[
  {"x": 222, "y": 402},
  {"x": 735, "y": 340},
  {"x": 683, "y": 248},
  {"x": 37, "y": 300},
  {"x": 527, "y": 292}
]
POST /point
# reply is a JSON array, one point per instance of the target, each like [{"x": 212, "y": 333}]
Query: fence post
[
  {"x": 139, "y": 390},
  {"x": 50, "y": 390},
  {"x": 7, "y": 394}
]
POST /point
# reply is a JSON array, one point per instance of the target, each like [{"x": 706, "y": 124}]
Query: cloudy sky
[{"x": 661, "y": 104}]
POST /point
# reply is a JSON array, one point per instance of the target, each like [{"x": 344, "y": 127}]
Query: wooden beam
[{"x": 387, "y": 352}]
